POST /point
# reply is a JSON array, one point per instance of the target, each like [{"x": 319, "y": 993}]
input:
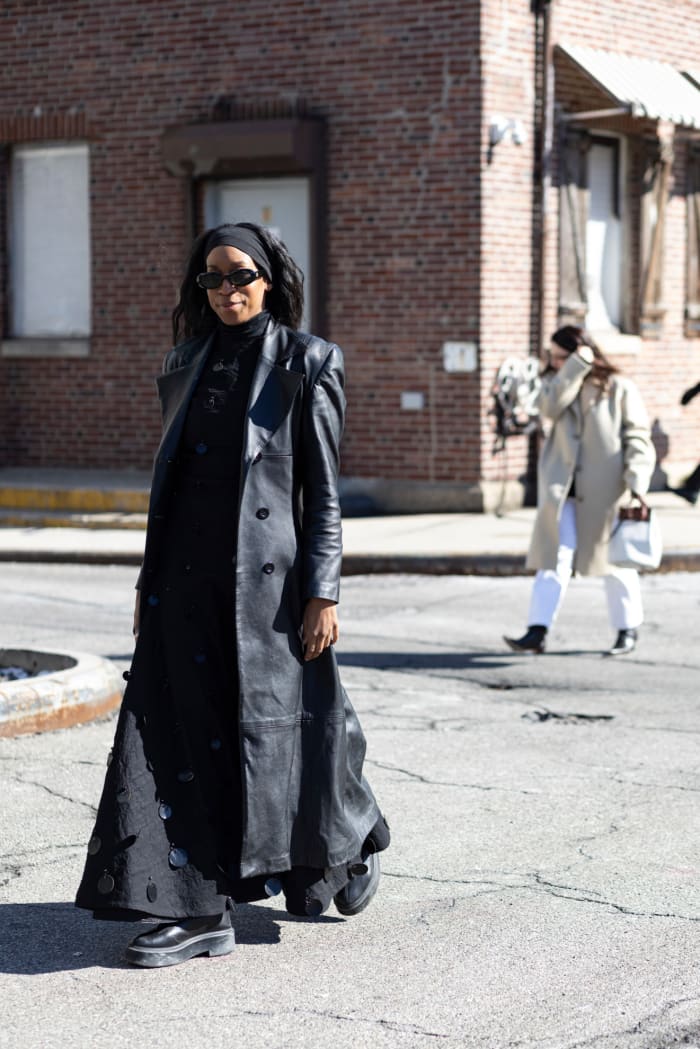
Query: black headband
[{"x": 247, "y": 240}]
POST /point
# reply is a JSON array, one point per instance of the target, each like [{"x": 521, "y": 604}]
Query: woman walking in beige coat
[{"x": 598, "y": 449}]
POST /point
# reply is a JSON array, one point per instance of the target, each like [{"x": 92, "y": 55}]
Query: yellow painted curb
[{"x": 88, "y": 500}]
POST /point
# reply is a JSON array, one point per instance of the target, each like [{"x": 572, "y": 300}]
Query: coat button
[
  {"x": 262, "y": 514},
  {"x": 153, "y": 600},
  {"x": 269, "y": 568},
  {"x": 202, "y": 448},
  {"x": 177, "y": 857},
  {"x": 106, "y": 884}
]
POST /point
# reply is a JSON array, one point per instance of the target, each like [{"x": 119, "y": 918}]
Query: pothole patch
[{"x": 540, "y": 714}]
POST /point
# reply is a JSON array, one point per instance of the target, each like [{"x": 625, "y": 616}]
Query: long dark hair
[
  {"x": 571, "y": 337},
  {"x": 285, "y": 300}
]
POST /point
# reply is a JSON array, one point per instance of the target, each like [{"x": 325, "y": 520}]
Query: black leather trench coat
[{"x": 305, "y": 801}]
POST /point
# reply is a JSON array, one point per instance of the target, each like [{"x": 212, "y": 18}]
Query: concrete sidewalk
[{"x": 456, "y": 544}]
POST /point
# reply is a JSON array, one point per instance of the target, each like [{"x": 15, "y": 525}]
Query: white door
[{"x": 281, "y": 204}]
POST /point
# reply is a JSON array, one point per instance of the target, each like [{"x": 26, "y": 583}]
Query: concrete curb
[
  {"x": 86, "y": 688},
  {"x": 478, "y": 564},
  {"x": 73, "y": 557},
  {"x": 359, "y": 564}
]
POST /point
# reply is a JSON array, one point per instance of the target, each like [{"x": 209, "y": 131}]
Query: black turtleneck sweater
[{"x": 212, "y": 439}]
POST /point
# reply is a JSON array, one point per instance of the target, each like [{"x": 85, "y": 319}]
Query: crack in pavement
[
  {"x": 55, "y": 793},
  {"x": 42, "y": 849},
  {"x": 9, "y": 873},
  {"x": 35, "y": 761},
  {"x": 82, "y": 979},
  {"x": 19, "y": 869},
  {"x": 389, "y": 1025},
  {"x": 586, "y": 896},
  {"x": 549, "y": 887},
  {"x": 451, "y": 881},
  {"x": 418, "y": 778},
  {"x": 580, "y": 848},
  {"x": 638, "y": 1028},
  {"x": 423, "y": 723},
  {"x": 618, "y": 778}
]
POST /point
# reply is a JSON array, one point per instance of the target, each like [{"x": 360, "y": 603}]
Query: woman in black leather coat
[{"x": 236, "y": 771}]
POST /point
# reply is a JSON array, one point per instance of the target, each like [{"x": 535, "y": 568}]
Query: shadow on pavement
[
  {"x": 461, "y": 660},
  {"x": 427, "y": 660},
  {"x": 59, "y": 937}
]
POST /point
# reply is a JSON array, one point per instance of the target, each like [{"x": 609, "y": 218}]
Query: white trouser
[{"x": 622, "y": 589}]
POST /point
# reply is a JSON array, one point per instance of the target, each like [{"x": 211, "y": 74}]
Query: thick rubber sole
[
  {"x": 513, "y": 644},
  {"x": 212, "y": 944},
  {"x": 366, "y": 897}
]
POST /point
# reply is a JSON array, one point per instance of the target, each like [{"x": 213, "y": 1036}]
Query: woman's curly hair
[{"x": 285, "y": 300}]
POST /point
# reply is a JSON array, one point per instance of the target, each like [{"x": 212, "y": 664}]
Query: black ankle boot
[
  {"x": 626, "y": 641},
  {"x": 173, "y": 942},
  {"x": 531, "y": 642}
]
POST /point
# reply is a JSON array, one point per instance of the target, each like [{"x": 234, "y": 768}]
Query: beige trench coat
[{"x": 600, "y": 436}]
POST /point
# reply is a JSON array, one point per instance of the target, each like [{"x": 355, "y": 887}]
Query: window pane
[
  {"x": 50, "y": 241},
  {"x": 603, "y": 242}
]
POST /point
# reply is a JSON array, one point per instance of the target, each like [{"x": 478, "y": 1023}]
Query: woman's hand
[
  {"x": 137, "y": 613},
  {"x": 320, "y": 627}
]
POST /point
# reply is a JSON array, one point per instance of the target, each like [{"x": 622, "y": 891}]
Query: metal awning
[{"x": 641, "y": 87}]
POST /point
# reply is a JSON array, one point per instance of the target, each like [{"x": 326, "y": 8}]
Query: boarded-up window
[
  {"x": 692, "y": 308},
  {"x": 50, "y": 241},
  {"x": 658, "y": 157},
  {"x": 573, "y": 215}
]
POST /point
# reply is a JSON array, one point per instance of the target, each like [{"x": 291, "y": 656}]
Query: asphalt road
[{"x": 543, "y": 886}]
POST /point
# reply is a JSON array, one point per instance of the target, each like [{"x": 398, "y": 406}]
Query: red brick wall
[
  {"x": 507, "y": 46},
  {"x": 399, "y": 86},
  {"x": 429, "y": 238}
]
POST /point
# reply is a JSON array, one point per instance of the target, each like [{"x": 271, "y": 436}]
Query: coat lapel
[
  {"x": 271, "y": 394},
  {"x": 175, "y": 391}
]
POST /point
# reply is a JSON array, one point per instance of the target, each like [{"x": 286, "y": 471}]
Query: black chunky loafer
[
  {"x": 358, "y": 892},
  {"x": 173, "y": 942}
]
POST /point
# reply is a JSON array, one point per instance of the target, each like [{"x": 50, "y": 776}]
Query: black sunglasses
[{"x": 236, "y": 278}]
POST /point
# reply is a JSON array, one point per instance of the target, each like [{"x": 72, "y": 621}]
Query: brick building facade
[{"x": 422, "y": 231}]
